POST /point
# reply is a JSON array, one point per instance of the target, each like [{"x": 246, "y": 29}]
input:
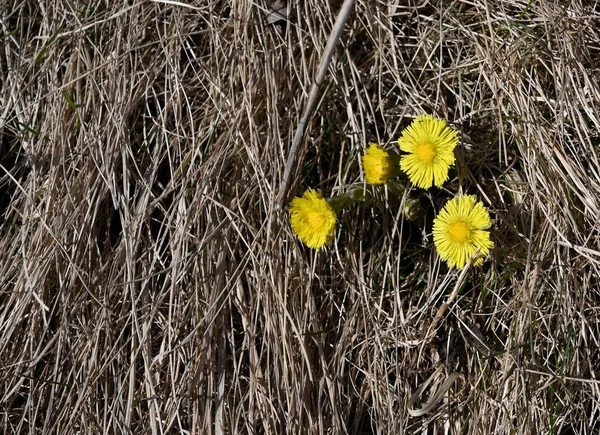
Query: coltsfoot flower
[
  {"x": 430, "y": 144},
  {"x": 460, "y": 229},
  {"x": 313, "y": 219},
  {"x": 376, "y": 163}
]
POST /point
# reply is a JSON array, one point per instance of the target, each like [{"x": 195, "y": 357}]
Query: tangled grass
[{"x": 149, "y": 284}]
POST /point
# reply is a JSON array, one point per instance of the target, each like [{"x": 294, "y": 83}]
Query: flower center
[
  {"x": 425, "y": 152},
  {"x": 316, "y": 220},
  {"x": 459, "y": 232}
]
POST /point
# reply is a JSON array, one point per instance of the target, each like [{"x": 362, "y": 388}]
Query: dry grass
[{"x": 149, "y": 285}]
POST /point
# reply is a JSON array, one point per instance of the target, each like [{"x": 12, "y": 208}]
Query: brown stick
[
  {"x": 442, "y": 310},
  {"x": 292, "y": 160}
]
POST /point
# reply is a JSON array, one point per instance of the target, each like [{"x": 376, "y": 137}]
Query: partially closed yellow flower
[
  {"x": 376, "y": 163},
  {"x": 430, "y": 145},
  {"x": 459, "y": 231},
  {"x": 313, "y": 219}
]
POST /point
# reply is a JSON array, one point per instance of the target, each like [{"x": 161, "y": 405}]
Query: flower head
[
  {"x": 459, "y": 231},
  {"x": 430, "y": 144},
  {"x": 376, "y": 164},
  {"x": 313, "y": 219}
]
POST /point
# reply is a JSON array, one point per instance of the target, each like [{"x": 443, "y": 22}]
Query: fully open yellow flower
[
  {"x": 459, "y": 231},
  {"x": 376, "y": 164},
  {"x": 430, "y": 144},
  {"x": 313, "y": 219}
]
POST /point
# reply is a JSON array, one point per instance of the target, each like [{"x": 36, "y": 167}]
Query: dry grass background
[{"x": 149, "y": 285}]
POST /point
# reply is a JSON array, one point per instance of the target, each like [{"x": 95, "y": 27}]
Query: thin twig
[
  {"x": 292, "y": 160},
  {"x": 442, "y": 310}
]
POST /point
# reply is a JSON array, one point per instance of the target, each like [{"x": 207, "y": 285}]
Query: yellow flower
[
  {"x": 459, "y": 231},
  {"x": 376, "y": 164},
  {"x": 430, "y": 144},
  {"x": 313, "y": 219}
]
